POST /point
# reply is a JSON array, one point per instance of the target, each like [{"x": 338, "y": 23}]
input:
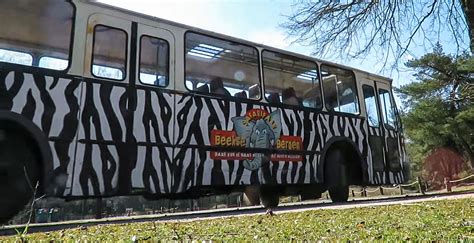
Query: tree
[
  {"x": 442, "y": 163},
  {"x": 390, "y": 27},
  {"x": 438, "y": 110}
]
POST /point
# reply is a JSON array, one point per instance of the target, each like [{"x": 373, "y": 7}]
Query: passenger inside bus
[
  {"x": 203, "y": 89},
  {"x": 312, "y": 98},
  {"x": 241, "y": 94},
  {"x": 216, "y": 86},
  {"x": 254, "y": 91},
  {"x": 289, "y": 97},
  {"x": 273, "y": 98}
]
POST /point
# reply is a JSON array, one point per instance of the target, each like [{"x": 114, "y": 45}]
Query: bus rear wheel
[
  {"x": 335, "y": 175},
  {"x": 252, "y": 195},
  {"x": 18, "y": 173},
  {"x": 269, "y": 195}
]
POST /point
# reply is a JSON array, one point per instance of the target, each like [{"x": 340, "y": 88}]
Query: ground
[{"x": 430, "y": 220}]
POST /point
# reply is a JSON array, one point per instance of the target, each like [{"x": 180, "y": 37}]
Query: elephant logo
[{"x": 260, "y": 129}]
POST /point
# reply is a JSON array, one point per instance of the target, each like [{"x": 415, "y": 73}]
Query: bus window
[
  {"x": 291, "y": 80},
  {"x": 388, "y": 109},
  {"x": 107, "y": 72},
  {"x": 154, "y": 59},
  {"x": 154, "y": 79},
  {"x": 340, "y": 93},
  {"x": 16, "y": 57},
  {"x": 221, "y": 67},
  {"x": 53, "y": 63},
  {"x": 109, "y": 52},
  {"x": 371, "y": 105},
  {"x": 40, "y": 27}
]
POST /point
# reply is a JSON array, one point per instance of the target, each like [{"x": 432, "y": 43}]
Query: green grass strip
[{"x": 432, "y": 220}]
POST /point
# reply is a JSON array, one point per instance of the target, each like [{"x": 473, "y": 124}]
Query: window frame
[
  {"x": 168, "y": 61},
  {"x": 126, "y": 54},
  {"x": 259, "y": 65},
  {"x": 355, "y": 85},
  {"x": 376, "y": 99},
  {"x": 288, "y": 105},
  {"x": 35, "y": 58}
]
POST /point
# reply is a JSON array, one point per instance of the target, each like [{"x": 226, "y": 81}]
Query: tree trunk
[{"x": 468, "y": 9}]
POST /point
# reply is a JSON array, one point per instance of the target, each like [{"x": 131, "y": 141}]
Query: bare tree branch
[{"x": 390, "y": 28}]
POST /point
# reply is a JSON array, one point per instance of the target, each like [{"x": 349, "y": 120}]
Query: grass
[
  {"x": 432, "y": 220},
  {"x": 463, "y": 188}
]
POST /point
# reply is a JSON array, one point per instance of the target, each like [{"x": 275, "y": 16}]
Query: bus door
[
  {"x": 374, "y": 126},
  {"x": 106, "y": 151},
  {"x": 391, "y": 132},
  {"x": 154, "y": 117}
]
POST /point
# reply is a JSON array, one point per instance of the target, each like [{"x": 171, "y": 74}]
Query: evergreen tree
[{"x": 438, "y": 110}]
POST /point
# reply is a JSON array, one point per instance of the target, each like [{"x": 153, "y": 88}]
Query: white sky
[{"x": 256, "y": 20}]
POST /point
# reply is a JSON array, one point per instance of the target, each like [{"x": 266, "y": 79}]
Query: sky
[{"x": 255, "y": 20}]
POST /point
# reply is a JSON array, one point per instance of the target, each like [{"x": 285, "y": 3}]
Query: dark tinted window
[
  {"x": 388, "y": 109},
  {"x": 291, "y": 80},
  {"x": 340, "y": 93},
  {"x": 154, "y": 59},
  {"x": 371, "y": 105},
  {"x": 40, "y": 28},
  {"x": 221, "y": 67},
  {"x": 110, "y": 52}
]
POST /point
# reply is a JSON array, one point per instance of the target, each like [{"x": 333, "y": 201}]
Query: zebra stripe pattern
[
  {"x": 386, "y": 176},
  {"x": 109, "y": 139},
  {"x": 197, "y": 116},
  {"x": 52, "y": 103}
]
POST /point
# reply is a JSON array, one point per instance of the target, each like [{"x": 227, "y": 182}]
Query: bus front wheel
[
  {"x": 336, "y": 176},
  {"x": 19, "y": 172}
]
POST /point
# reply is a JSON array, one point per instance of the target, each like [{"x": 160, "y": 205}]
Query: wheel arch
[
  {"x": 347, "y": 146},
  {"x": 37, "y": 136}
]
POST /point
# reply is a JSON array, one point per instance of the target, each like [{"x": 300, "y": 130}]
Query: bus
[{"x": 98, "y": 101}]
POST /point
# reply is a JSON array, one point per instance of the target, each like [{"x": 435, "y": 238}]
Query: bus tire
[
  {"x": 19, "y": 172},
  {"x": 335, "y": 174},
  {"x": 269, "y": 196},
  {"x": 310, "y": 194},
  {"x": 252, "y": 195}
]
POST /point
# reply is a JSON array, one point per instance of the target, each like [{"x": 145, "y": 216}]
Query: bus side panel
[
  {"x": 404, "y": 160},
  {"x": 198, "y": 118},
  {"x": 107, "y": 157},
  {"x": 375, "y": 157},
  {"x": 153, "y": 131},
  {"x": 102, "y": 145},
  {"x": 52, "y": 103},
  {"x": 379, "y": 172},
  {"x": 348, "y": 128},
  {"x": 393, "y": 145}
]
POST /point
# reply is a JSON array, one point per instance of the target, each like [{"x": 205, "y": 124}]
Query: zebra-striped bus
[{"x": 97, "y": 101}]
